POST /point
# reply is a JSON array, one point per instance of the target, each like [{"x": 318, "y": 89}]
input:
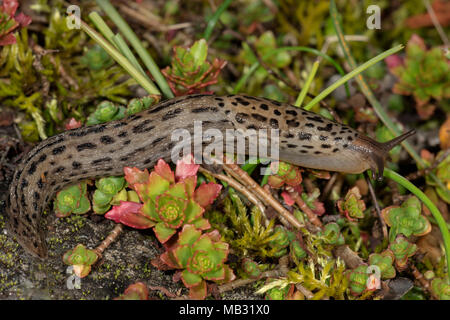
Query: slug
[{"x": 305, "y": 139}]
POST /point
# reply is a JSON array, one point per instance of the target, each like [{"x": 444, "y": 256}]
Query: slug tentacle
[{"x": 380, "y": 157}]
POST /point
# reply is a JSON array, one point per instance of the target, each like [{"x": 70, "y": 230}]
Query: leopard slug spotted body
[{"x": 305, "y": 139}]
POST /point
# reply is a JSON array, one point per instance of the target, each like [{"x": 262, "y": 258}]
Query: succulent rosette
[
  {"x": 170, "y": 200},
  {"x": 201, "y": 256},
  {"x": 81, "y": 259},
  {"x": 284, "y": 173},
  {"x": 406, "y": 219},
  {"x": 72, "y": 199}
]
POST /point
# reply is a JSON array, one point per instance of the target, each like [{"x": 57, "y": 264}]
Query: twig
[
  {"x": 377, "y": 207},
  {"x": 436, "y": 23},
  {"x": 329, "y": 185},
  {"x": 304, "y": 207},
  {"x": 236, "y": 185},
  {"x": 421, "y": 279},
  {"x": 109, "y": 239},
  {"x": 266, "y": 197}
]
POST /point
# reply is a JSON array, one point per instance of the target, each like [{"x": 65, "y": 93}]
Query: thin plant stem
[
  {"x": 126, "y": 51},
  {"x": 308, "y": 82},
  {"x": 352, "y": 74},
  {"x": 137, "y": 45},
  {"x": 433, "y": 209},
  {"x": 215, "y": 18},
  {"x": 120, "y": 59},
  {"x": 241, "y": 82}
]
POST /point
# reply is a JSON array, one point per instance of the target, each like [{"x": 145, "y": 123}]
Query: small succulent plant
[
  {"x": 402, "y": 250},
  {"x": 406, "y": 219},
  {"x": 297, "y": 253},
  {"x": 332, "y": 234},
  {"x": 135, "y": 291},
  {"x": 424, "y": 74},
  {"x": 81, "y": 259},
  {"x": 170, "y": 199},
  {"x": 96, "y": 58},
  {"x": 138, "y": 104},
  {"x": 352, "y": 206},
  {"x": 284, "y": 173},
  {"x": 72, "y": 199},
  {"x": 110, "y": 190},
  {"x": 106, "y": 111},
  {"x": 251, "y": 268},
  {"x": 277, "y": 293},
  {"x": 441, "y": 288},
  {"x": 190, "y": 71},
  {"x": 384, "y": 261},
  {"x": 358, "y": 279},
  {"x": 202, "y": 257},
  {"x": 10, "y": 22},
  {"x": 281, "y": 240}
]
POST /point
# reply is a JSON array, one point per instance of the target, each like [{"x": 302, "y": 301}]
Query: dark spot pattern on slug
[
  {"x": 315, "y": 119},
  {"x": 59, "y": 169},
  {"x": 140, "y": 128},
  {"x": 157, "y": 140},
  {"x": 323, "y": 138},
  {"x": 337, "y": 138},
  {"x": 58, "y": 150},
  {"x": 309, "y": 125},
  {"x": 291, "y": 146},
  {"x": 335, "y": 149},
  {"x": 120, "y": 124},
  {"x": 126, "y": 142},
  {"x": 264, "y": 106},
  {"x": 172, "y": 114},
  {"x": 289, "y": 135},
  {"x": 24, "y": 184},
  {"x": 162, "y": 106},
  {"x": 328, "y": 127},
  {"x": 204, "y": 109},
  {"x": 277, "y": 112},
  {"x": 350, "y": 139},
  {"x": 218, "y": 99},
  {"x": 307, "y": 146},
  {"x": 123, "y": 134},
  {"x": 40, "y": 183},
  {"x": 101, "y": 160},
  {"x": 259, "y": 117},
  {"x": 345, "y": 145},
  {"x": 304, "y": 151},
  {"x": 106, "y": 140},
  {"x": 234, "y": 103},
  {"x": 274, "y": 123},
  {"x": 293, "y": 123},
  {"x": 242, "y": 101},
  {"x": 304, "y": 136},
  {"x": 135, "y": 117},
  {"x": 326, "y": 146},
  {"x": 292, "y": 112},
  {"x": 221, "y": 104},
  {"x": 317, "y": 152},
  {"x": 76, "y": 165},
  {"x": 86, "y": 146},
  {"x": 241, "y": 117}
]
